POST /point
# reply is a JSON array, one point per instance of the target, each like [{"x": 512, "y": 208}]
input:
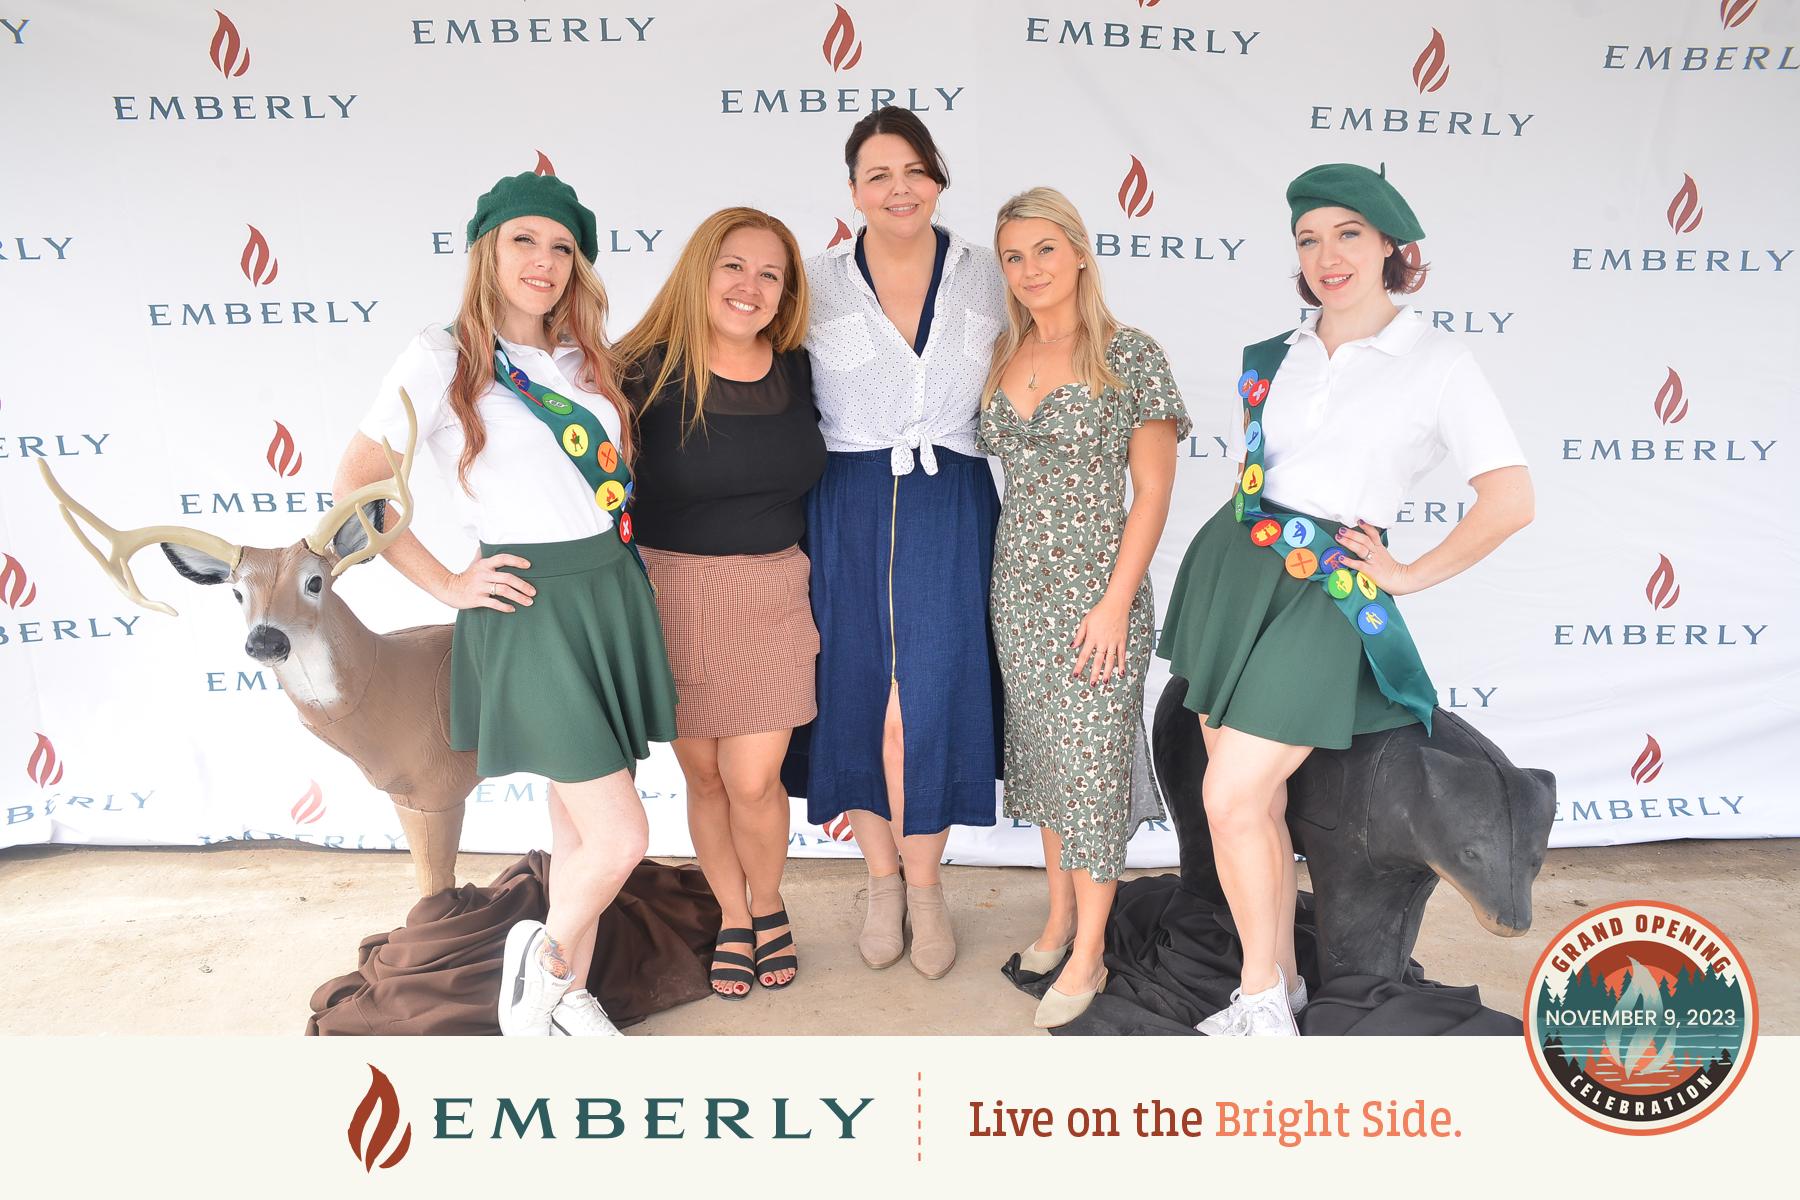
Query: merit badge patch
[{"x": 1641, "y": 1017}]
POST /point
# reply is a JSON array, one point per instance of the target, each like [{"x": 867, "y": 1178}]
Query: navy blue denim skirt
[{"x": 900, "y": 571}]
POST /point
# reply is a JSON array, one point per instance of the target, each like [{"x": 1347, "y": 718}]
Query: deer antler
[
  {"x": 121, "y": 545},
  {"x": 394, "y": 489}
]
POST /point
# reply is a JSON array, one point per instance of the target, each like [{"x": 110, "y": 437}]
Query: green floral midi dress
[{"x": 1077, "y": 760}]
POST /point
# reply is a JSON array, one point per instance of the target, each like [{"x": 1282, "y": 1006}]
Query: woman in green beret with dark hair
[
  {"x": 557, "y": 663},
  {"x": 1283, "y": 619}
]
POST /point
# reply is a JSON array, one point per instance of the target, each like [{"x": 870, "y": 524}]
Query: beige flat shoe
[
  {"x": 1042, "y": 962},
  {"x": 883, "y": 939},
  {"x": 933, "y": 940},
  {"x": 1059, "y": 1008}
]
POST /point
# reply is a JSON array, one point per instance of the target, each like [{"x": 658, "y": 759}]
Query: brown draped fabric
[{"x": 440, "y": 972}]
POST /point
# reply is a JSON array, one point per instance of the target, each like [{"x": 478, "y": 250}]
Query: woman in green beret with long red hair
[
  {"x": 1283, "y": 619},
  {"x": 557, "y": 663}
]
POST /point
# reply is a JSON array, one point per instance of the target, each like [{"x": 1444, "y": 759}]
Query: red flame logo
[
  {"x": 838, "y": 828},
  {"x": 1431, "y": 70},
  {"x": 259, "y": 265},
  {"x": 16, "y": 590},
  {"x": 1684, "y": 210},
  {"x": 44, "y": 769},
  {"x": 1662, "y": 591},
  {"x": 228, "y": 53},
  {"x": 843, "y": 234},
  {"x": 1671, "y": 405},
  {"x": 1733, "y": 13},
  {"x": 309, "y": 807},
  {"x": 380, "y": 1095},
  {"x": 1135, "y": 196},
  {"x": 544, "y": 165},
  {"x": 284, "y": 457},
  {"x": 1649, "y": 763},
  {"x": 841, "y": 48}
]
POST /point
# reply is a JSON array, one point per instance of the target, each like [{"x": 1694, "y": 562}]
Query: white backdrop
[{"x": 217, "y": 229}]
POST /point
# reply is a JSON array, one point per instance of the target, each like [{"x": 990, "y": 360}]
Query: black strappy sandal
[
  {"x": 739, "y": 969},
  {"x": 769, "y": 958}
]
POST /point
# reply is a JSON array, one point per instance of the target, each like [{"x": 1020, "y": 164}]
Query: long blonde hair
[
  {"x": 1095, "y": 323},
  {"x": 677, "y": 320},
  {"x": 579, "y": 316}
]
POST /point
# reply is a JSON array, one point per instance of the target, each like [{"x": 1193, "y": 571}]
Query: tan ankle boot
[
  {"x": 883, "y": 939},
  {"x": 933, "y": 940}
]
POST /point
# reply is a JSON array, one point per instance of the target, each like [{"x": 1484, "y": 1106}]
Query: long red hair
[{"x": 579, "y": 316}]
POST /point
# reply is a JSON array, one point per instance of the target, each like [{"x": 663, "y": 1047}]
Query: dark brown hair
[
  {"x": 902, "y": 123},
  {"x": 1402, "y": 273}
]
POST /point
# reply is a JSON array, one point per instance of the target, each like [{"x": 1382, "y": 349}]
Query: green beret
[
  {"x": 530, "y": 195},
  {"x": 1346, "y": 185}
]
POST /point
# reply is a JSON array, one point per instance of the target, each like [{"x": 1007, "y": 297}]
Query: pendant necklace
[{"x": 1031, "y": 384}]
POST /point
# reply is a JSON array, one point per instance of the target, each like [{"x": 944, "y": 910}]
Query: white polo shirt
[
  {"x": 526, "y": 489},
  {"x": 1346, "y": 436},
  {"x": 873, "y": 392}
]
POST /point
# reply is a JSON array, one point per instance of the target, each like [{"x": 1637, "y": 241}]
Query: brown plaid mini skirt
[{"x": 741, "y": 639}]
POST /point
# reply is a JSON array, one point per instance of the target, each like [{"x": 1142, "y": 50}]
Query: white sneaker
[
  {"x": 1266, "y": 1013},
  {"x": 528, "y": 992},
  {"x": 580, "y": 1015},
  {"x": 1227, "y": 1021},
  {"x": 1221, "y": 1023}
]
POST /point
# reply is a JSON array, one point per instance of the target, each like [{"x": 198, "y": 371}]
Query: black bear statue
[{"x": 1379, "y": 825}]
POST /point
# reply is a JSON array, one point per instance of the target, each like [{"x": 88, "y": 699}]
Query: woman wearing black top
[{"x": 728, "y": 445}]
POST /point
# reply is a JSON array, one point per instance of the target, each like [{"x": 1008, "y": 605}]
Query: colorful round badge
[
  {"x": 1237, "y": 507},
  {"x": 1333, "y": 559},
  {"x": 608, "y": 457},
  {"x": 1246, "y": 381},
  {"x": 1253, "y": 480},
  {"x": 575, "y": 440},
  {"x": 611, "y": 494},
  {"x": 1299, "y": 532},
  {"x": 625, "y": 528},
  {"x": 1372, "y": 619},
  {"x": 1259, "y": 391},
  {"x": 1339, "y": 584},
  {"x": 557, "y": 404},
  {"x": 1302, "y": 563},
  {"x": 1252, "y": 436},
  {"x": 1265, "y": 533},
  {"x": 1365, "y": 585}
]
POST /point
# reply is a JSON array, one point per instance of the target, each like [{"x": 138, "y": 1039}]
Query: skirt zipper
[{"x": 893, "y": 639}]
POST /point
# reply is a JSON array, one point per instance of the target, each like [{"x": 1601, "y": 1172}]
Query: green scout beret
[
  {"x": 531, "y": 195},
  {"x": 1346, "y": 185}
]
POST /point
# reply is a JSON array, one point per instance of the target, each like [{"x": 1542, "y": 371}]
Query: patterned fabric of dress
[{"x": 1077, "y": 760}]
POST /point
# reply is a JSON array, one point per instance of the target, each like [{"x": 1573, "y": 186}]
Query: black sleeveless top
[{"x": 737, "y": 485}]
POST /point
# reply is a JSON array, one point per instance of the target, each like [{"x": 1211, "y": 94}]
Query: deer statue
[{"x": 383, "y": 700}]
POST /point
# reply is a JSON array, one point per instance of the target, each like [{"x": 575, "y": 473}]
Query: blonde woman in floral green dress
[{"x": 1074, "y": 398}]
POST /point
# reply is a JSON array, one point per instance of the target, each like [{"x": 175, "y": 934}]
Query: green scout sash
[
  {"x": 584, "y": 439},
  {"x": 1386, "y": 643}
]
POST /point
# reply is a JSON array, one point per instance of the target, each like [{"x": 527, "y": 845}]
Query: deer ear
[
  {"x": 196, "y": 566},
  {"x": 350, "y": 536}
]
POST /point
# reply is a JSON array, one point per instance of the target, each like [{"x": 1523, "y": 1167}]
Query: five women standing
[{"x": 920, "y": 353}]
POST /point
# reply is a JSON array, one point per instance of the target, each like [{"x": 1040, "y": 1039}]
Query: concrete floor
[{"x": 234, "y": 938}]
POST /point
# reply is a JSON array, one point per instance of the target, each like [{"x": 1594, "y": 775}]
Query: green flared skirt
[
  {"x": 574, "y": 686},
  {"x": 1265, "y": 653}
]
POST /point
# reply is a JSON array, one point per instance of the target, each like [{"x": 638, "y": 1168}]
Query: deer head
[{"x": 286, "y": 594}]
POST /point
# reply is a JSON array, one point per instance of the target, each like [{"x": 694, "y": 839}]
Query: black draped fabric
[{"x": 1173, "y": 958}]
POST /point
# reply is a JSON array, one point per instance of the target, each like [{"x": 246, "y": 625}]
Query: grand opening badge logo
[{"x": 1641, "y": 1017}]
